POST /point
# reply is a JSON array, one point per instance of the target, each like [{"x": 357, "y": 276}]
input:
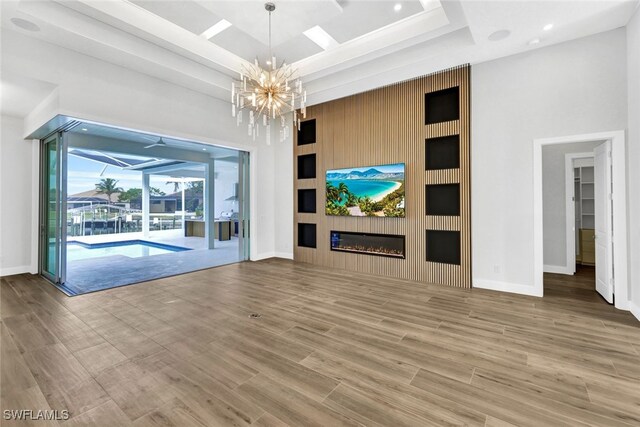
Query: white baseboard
[
  {"x": 10, "y": 271},
  {"x": 514, "y": 288},
  {"x": 284, "y": 255},
  {"x": 634, "y": 309},
  {"x": 558, "y": 269},
  {"x": 267, "y": 255},
  {"x": 264, "y": 255}
]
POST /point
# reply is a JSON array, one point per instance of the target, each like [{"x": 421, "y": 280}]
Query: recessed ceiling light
[
  {"x": 217, "y": 28},
  {"x": 534, "y": 41},
  {"x": 84, "y": 129},
  {"x": 24, "y": 24},
  {"x": 320, "y": 37},
  {"x": 204, "y": 149},
  {"x": 397, "y": 7},
  {"x": 547, "y": 27},
  {"x": 499, "y": 35}
]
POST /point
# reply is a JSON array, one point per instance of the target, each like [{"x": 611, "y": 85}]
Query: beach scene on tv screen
[{"x": 366, "y": 191}]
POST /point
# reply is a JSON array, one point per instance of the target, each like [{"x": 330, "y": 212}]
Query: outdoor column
[
  {"x": 184, "y": 208},
  {"x": 209, "y": 216},
  {"x": 145, "y": 204}
]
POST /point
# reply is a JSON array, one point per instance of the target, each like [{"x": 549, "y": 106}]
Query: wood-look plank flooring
[{"x": 331, "y": 348}]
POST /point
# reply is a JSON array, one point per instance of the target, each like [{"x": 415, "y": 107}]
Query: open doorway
[
  {"x": 580, "y": 214},
  {"x": 127, "y": 207},
  {"x": 569, "y": 219}
]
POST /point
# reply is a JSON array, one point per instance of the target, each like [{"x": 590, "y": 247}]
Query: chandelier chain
[{"x": 270, "y": 52}]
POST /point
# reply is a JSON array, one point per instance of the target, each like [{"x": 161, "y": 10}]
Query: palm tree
[
  {"x": 155, "y": 191},
  {"x": 108, "y": 186},
  {"x": 343, "y": 190},
  {"x": 332, "y": 193},
  {"x": 176, "y": 185}
]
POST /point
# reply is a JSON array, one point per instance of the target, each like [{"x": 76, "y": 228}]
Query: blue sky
[
  {"x": 83, "y": 175},
  {"x": 394, "y": 168}
]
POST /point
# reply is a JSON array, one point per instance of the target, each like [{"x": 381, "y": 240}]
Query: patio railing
[{"x": 109, "y": 219}]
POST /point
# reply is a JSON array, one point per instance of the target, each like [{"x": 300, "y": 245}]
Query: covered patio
[
  {"x": 115, "y": 243},
  {"x": 153, "y": 213}
]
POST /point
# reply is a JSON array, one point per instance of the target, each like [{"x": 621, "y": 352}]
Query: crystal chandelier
[{"x": 268, "y": 94}]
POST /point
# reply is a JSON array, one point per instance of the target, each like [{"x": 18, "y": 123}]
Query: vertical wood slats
[{"x": 384, "y": 126}]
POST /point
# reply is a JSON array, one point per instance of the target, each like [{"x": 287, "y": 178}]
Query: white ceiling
[
  {"x": 375, "y": 44},
  {"x": 248, "y": 35}
]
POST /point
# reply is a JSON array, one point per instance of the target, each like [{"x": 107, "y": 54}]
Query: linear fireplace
[{"x": 389, "y": 245}]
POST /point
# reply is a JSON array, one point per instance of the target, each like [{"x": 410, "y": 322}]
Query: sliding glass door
[
  {"x": 53, "y": 221},
  {"x": 243, "y": 205}
]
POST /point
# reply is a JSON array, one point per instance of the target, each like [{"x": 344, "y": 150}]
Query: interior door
[
  {"x": 53, "y": 221},
  {"x": 603, "y": 223}
]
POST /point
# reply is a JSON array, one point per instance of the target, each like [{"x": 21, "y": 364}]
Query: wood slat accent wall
[{"x": 385, "y": 126}]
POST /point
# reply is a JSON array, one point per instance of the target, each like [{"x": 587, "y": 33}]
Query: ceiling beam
[
  {"x": 163, "y": 169},
  {"x": 145, "y": 24}
]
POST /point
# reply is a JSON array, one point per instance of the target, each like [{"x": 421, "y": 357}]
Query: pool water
[{"x": 133, "y": 249}]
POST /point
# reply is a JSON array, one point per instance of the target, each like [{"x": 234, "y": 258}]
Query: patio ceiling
[{"x": 152, "y": 166}]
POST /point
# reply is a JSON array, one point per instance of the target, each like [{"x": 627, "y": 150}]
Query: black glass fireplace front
[{"x": 389, "y": 245}]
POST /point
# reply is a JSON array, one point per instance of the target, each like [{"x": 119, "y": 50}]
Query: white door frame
[
  {"x": 571, "y": 208},
  {"x": 620, "y": 236}
]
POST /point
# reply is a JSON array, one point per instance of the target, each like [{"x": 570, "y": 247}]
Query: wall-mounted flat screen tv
[{"x": 366, "y": 191}]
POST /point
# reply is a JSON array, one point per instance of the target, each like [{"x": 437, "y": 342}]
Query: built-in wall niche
[
  {"x": 442, "y": 105},
  {"x": 442, "y": 153},
  {"x": 307, "y": 166},
  {"x": 443, "y": 246},
  {"x": 443, "y": 199},
  {"x": 307, "y": 201},
  {"x": 306, "y": 235},
  {"x": 307, "y": 132},
  {"x": 389, "y": 245}
]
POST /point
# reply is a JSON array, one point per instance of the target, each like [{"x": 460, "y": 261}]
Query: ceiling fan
[{"x": 160, "y": 143}]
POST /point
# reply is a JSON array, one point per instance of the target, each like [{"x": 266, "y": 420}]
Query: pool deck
[{"x": 95, "y": 274}]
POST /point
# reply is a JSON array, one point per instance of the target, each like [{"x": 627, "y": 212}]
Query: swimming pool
[{"x": 130, "y": 248}]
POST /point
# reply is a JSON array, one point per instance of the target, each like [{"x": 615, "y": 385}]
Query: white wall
[
  {"x": 283, "y": 209},
  {"x": 572, "y": 88},
  {"x": 226, "y": 179},
  {"x": 633, "y": 156},
  {"x": 95, "y": 90},
  {"x": 16, "y": 202},
  {"x": 554, "y": 201}
]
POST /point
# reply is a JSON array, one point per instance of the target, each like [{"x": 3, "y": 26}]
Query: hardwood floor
[{"x": 330, "y": 348}]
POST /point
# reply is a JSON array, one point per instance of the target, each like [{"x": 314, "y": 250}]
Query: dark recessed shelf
[
  {"x": 443, "y": 246},
  {"x": 442, "y": 153},
  {"x": 307, "y": 235},
  {"x": 388, "y": 245},
  {"x": 307, "y": 132},
  {"x": 442, "y": 106},
  {"x": 443, "y": 199},
  {"x": 307, "y": 201},
  {"x": 307, "y": 166}
]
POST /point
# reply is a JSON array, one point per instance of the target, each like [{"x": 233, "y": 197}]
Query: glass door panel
[
  {"x": 52, "y": 220},
  {"x": 50, "y": 267},
  {"x": 243, "y": 206}
]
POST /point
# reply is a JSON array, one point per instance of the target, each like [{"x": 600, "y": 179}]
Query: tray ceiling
[
  {"x": 372, "y": 42},
  {"x": 247, "y": 36}
]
